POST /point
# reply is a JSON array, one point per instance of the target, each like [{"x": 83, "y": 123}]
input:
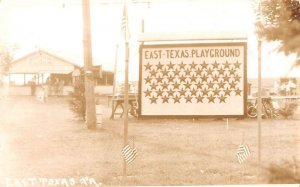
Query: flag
[
  {"x": 129, "y": 153},
  {"x": 124, "y": 23},
  {"x": 243, "y": 153}
]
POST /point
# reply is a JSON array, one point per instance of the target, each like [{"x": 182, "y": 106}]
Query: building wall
[
  {"x": 26, "y": 91},
  {"x": 40, "y": 62}
]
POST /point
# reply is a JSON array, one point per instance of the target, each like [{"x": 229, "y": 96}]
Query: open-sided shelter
[{"x": 40, "y": 65}]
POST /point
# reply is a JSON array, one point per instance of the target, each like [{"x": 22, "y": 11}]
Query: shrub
[
  {"x": 77, "y": 101},
  {"x": 284, "y": 173},
  {"x": 288, "y": 109}
]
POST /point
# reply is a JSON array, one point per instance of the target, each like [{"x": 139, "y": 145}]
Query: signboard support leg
[{"x": 227, "y": 123}]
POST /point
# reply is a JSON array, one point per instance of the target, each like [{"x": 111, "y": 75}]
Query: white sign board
[{"x": 193, "y": 80}]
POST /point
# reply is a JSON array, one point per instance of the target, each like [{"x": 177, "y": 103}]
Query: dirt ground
[{"x": 45, "y": 143}]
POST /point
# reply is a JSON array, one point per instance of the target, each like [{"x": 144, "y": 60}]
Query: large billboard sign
[{"x": 193, "y": 80}]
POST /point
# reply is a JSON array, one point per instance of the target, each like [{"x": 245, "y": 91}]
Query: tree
[
  {"x": 6, "y": 57},
  {"x": 5, "y": 60},
  {"x": 280, "y": 21}
]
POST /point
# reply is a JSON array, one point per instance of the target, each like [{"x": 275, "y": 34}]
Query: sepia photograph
[{"x": 149, "y": 93}]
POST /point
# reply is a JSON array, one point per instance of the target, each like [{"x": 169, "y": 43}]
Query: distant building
[{"x": 40, "y": 66}]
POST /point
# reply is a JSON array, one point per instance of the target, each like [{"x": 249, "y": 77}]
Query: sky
[{"x": 56, "y": 26}]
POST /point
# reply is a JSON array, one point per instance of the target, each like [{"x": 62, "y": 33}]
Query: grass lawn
[{"x": 45, "y": 141}]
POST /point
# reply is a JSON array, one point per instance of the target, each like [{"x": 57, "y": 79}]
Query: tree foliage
[
  {"x": 6, "y": 57},
  {"x": 280, "y": 21},
  {"x": 77, "y": 102}
]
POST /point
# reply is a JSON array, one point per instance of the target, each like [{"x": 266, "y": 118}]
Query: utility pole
[{"x": 88, "y": 74}]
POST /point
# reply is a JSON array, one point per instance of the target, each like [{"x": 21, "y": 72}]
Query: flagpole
[
  {"x": 126, "y": 104},
  {"x": 259, "y": 99},
  {"x": 259, "y": 111},
  {"x": 125, "y": 84}
]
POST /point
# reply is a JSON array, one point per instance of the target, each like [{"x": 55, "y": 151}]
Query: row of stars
[
  {"x": 177, "y": 72},
  {"x": 193, "y": 92},
  {"x": 189, "y": 99},
  {"x": 196, "y": 79},
  {"x": 203, "y": 65},
  {"x": 220, "y": 85}
]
